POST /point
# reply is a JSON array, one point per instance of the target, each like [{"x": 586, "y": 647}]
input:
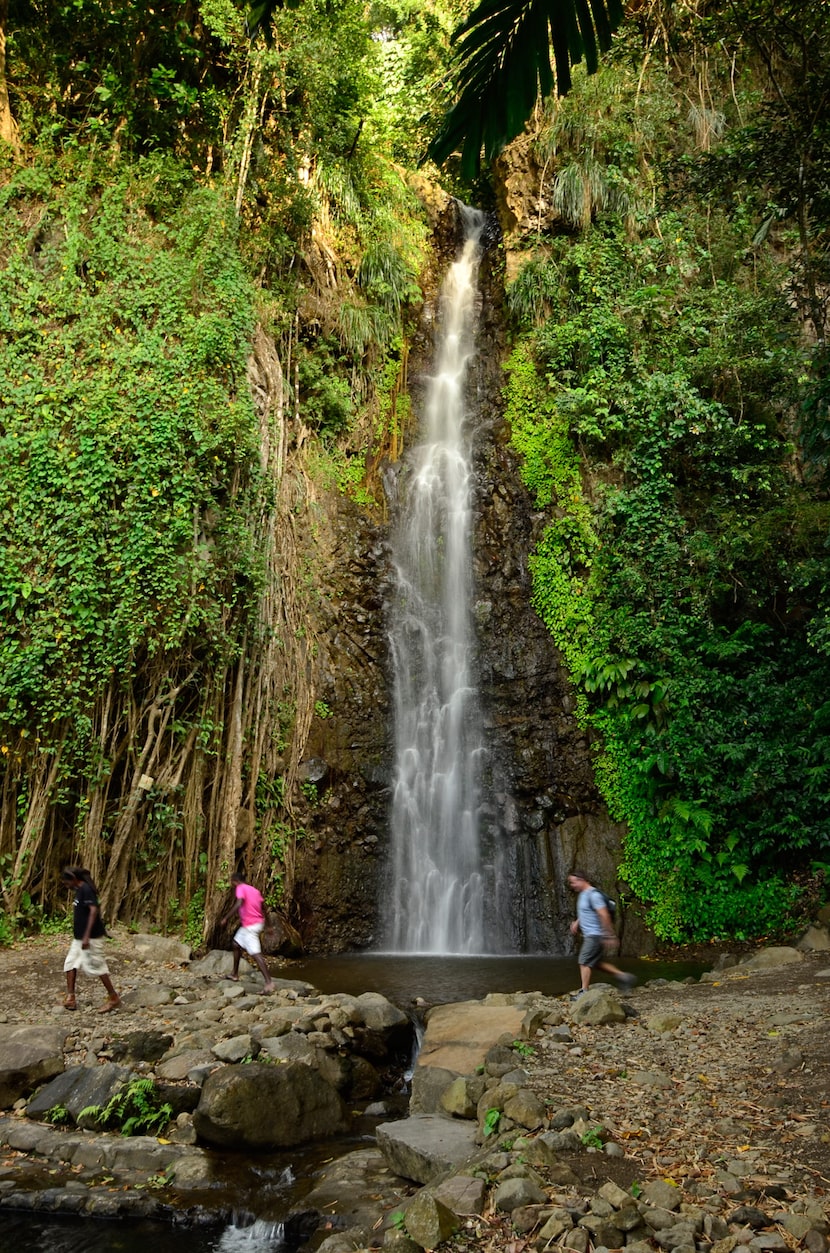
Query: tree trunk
[{"x": 8, "y": 126}]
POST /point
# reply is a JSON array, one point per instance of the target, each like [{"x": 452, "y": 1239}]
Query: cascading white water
[{"x": 436, "y": 897}]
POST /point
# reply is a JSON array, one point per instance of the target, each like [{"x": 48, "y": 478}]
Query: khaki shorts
[
  {"x": 592, "y": 951},
  {"x": 248, "y": 938},
  {"x": 90, "y": 960}
]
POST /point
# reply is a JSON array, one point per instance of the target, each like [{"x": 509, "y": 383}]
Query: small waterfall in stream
[{"x": 439, "y": 881}]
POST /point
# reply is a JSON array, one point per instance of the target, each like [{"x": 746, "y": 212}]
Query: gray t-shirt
[{"x": 587, "y": 904}]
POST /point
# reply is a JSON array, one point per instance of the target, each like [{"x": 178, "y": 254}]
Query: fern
[{"x": 134, "y": 1110}]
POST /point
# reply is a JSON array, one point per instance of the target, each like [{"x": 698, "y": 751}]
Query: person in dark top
[{"x": 87, "y": 949}]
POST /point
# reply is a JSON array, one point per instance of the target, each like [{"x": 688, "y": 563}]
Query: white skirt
[
  {"x": 248, "y": 938},
  {"x": 90, "y": 960}
]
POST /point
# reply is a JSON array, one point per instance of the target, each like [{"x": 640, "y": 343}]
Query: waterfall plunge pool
[{"x": 408, "y": 978}]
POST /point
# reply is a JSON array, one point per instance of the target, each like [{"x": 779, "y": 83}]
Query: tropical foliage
[
  {"x": 210, "y": 254},
  {"x": 504, "y": 67},
  {"x": 207, "y": 264},
  {"x": 670, "y": 410}
]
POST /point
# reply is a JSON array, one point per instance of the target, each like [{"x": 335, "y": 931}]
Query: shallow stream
[{"x": 263, "y": 1191}]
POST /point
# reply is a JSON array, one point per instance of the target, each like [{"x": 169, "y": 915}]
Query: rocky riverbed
[{"x": 678, "y": 1116}]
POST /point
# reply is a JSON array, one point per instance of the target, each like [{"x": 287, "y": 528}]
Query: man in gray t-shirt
[{"x": 593, "y": 919}]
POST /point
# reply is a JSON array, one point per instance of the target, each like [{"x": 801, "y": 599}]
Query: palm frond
[
  {"x": 260, "y": 17},
  {"x": 504, "y": 65}
]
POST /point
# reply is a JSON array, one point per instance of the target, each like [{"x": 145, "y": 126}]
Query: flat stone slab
[
  {"x": 425, "y": 1145},
  {"x": 458, "y": 1036}
]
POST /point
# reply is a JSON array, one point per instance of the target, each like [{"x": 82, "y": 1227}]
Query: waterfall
[{"x": 436, "y": 896}]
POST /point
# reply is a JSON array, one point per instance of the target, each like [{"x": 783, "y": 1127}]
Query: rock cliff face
[{"x": 542, "y": 813}]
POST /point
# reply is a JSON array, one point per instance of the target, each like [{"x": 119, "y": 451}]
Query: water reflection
[{"x": 439, "y": 980}]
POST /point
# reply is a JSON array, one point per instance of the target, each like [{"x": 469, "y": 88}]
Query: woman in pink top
[{"x": 250, "y": 909}]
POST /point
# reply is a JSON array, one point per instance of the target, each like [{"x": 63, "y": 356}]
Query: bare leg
[
  {"x": 266, "y": 974},
  {"x": 113, "y": 999},
  {"x": 585, "y": 976},
  {"x": 625, "y": 980},
  {"x": 69, "y": 1001},
  {"x": 237, "y": 953}
]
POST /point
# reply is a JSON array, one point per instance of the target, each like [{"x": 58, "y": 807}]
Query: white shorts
[
  {"x": 90, "y": 960},
  {"x": 248, "y": 938}
]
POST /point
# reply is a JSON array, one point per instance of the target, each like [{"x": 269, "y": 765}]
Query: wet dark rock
[
  {"x": 76, "y": 1089},
  {"x": 140, "y": 1046},
  {"x": 260, "y": 1106},
  {"x": 749, "y": 1216}
]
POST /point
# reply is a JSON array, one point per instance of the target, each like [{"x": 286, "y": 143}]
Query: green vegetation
[
  {"x": 134, "y": 1111},
  {"x": 208, "y": 270},
  {"x": 490, "y": 1125},
  {"x": 671, "y": 416},
  {"x": 58, "y": 1116},
  {"x": 211, "y": 252}
]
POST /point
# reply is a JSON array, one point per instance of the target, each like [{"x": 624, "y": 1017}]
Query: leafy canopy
[{"x": 504, "y": 66}]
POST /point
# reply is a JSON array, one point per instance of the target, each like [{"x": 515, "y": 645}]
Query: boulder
[
  {"x": 274, "y": 1022},
  {"x": 526, "y": 1109},
  {"x": 463, "y": 1194},
  {"x": 161, "y": 948},
  {"x": 77, "y": 1088},
  {"x": 235, "y": 1049},
  {"x": 429, "y": 1221},
  {"x": 141, "y": 1046},
  {"x": 662, "y": 1195},
  {"x": 378, "y": 1013},
  {"x": 815, "y": 940},
  {"x": 460, "y": 1099},
  {"x": 261, "y": 1106},
  {"x": 292, "y": 1047},
  {"x": 516, "y": 1193},
  {"x": 425, "y": 1145},
  {"x": 147, "y": 997},
  {"x": 181, "y": 1065},
  {"x": 217, "y": 962},
  {"x": 771, "y": 958},
  {"x": 28, "y": 1057},
  {"x": 663, "y": 1021},
  {"x": 355, "y": 1188},
  {"x": 598, "y": 1008},
  {"x": 459, "y": 1036},
  {"x": 429, "y": 1086}
]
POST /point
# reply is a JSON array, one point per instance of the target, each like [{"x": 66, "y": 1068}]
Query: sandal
[
  {"x": 110, "y": 1004},
  {"x": 70, "y": 1003}
]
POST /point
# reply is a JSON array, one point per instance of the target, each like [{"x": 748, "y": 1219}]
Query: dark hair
[{"x": 70, "y": 873}]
